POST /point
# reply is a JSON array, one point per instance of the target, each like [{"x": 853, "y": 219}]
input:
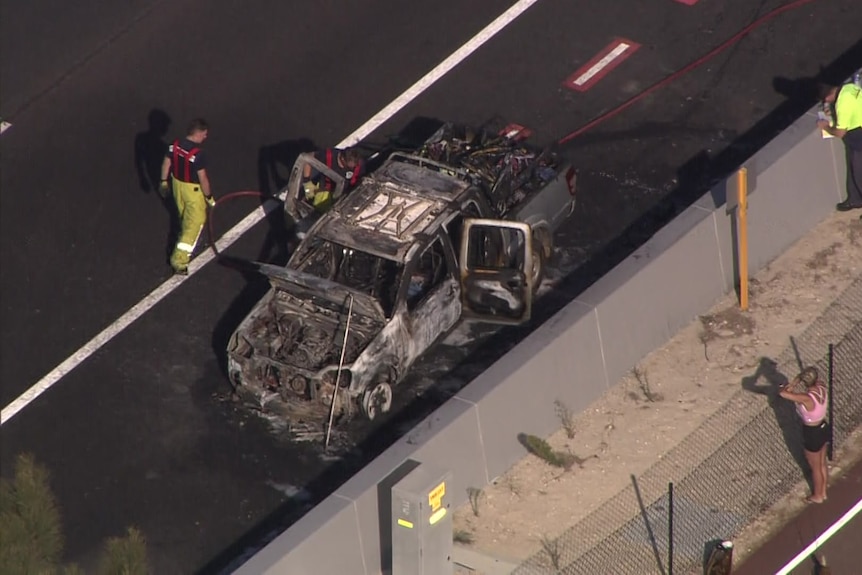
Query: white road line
[
  {"x": 439, "y": 71},
  {"x": 4, "y": 126},
  {"x": 833, "y": 529},
  {"x": 257, "y": 215},
  {"x": 598, "y": 66}
]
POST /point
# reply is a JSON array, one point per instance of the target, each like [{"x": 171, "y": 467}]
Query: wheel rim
[{"x": 377, "y": 400}]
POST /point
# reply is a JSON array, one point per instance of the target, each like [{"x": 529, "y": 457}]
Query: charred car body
[{"x": 460, "y": 228}]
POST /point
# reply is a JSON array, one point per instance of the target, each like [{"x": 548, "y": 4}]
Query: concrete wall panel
[
  {"x": 725, "y": 236},
  {"x": 563, "y": 361},
  {"x": 839, "y": 166},
  {"x": 779, "y": 148},
  {"x": 306, "y": 547},
  {"x": 450, "y": 439},
  {"x": 370, "y": 492},
  {"x": 659, "y": 289},
  {"x": 793, "y": 194}
]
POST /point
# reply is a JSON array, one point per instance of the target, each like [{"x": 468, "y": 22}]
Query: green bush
[
  {"x": 543, "y": 450},
  {"x": 31, "y": 538},
  {"x": 125, "y": 555},
  {"x": 29, "y": 521}
]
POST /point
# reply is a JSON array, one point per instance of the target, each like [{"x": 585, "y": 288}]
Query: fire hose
[{"x": 224, "y": 199}]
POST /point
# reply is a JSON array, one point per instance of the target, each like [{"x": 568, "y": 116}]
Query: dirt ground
[{"x": 666, "y": 397}]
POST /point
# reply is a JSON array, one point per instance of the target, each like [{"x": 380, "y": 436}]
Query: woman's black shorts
[{"x": 814, "y": 437}]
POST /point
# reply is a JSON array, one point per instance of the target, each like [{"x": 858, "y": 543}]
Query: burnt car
[{"x": 387, "y": 272}]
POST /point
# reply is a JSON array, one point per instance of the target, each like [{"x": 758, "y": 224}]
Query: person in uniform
[
  {"x": 846, "y": 102},
  {"x": 186, "y": 164},
  {"x": 318, "y": 188}
]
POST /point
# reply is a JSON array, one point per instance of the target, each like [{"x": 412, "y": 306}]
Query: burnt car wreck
[{"x": 460, "y": 229}]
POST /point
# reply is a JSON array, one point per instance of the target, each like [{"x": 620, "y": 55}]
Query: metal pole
[
  {"x": 338, "y": 375},
  {"x": 830, "y": 447},
  {"x": 742, "y": 223},
  {"x": 670, "y": 528}
]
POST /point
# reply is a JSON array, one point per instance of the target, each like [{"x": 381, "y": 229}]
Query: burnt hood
[{"x": 323, "y": 291}]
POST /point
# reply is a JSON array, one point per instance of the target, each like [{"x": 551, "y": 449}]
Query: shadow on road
[
  {"x": 149, "y": 150},
  {"x": 274, "y": 163}
]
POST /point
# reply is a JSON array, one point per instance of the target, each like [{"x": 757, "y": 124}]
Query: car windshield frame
[{"x": 358, "y": 270}]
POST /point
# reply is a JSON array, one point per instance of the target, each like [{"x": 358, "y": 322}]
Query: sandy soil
[{"x": 667, "y": 396}]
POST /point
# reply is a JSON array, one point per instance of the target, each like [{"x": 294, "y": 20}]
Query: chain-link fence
[{"x": 736, "y": 465}]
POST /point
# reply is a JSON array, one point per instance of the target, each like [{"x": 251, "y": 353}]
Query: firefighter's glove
[
  {"x": 163, "y": 188},
  {"x": 310, "y": 189},
  {"x": 210, "y": 201}
]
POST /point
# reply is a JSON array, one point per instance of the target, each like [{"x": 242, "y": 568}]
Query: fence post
[
  {"x": 742, "y": 225},
  {"x": 831, "y": 446},
  {"x": 670, "y": 528}
]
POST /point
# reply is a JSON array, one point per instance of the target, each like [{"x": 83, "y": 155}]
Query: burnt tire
[
  {"x": 542, "y": 251},
  {"x": 377, "y": 400}
]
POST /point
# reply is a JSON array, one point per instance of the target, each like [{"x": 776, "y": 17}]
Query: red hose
[
  {"x": 661, "y": 83},
  {"x": 221, "y": 200}
]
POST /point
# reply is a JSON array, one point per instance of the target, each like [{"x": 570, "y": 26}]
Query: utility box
[{"x": 422, "y": 523}]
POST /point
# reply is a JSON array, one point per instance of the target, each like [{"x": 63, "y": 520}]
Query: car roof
[{"x": 399, "y": 205}]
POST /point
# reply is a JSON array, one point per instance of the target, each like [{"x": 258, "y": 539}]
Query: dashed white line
[
  {"x": 257, "y": 215},
  {"x": 4, "y": 126}
]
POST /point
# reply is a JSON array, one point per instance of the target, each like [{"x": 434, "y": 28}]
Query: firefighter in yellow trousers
[{"x": 186, "y": 163}]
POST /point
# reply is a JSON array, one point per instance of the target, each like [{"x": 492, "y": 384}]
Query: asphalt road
[{"x": 139, "y": 433}]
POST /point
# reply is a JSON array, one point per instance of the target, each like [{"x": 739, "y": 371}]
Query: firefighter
[
  {"x": 318, "y": 188},
  {"x": 185, "y": 162}
]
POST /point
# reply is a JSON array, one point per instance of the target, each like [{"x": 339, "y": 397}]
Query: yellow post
[{"x": 742, "y": 224}]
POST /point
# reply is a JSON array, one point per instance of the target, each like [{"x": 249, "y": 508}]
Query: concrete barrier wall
[{"x": 575, "y": 356}]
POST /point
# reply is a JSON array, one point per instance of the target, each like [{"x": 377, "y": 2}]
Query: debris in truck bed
[{"x": 507, "y": 169}]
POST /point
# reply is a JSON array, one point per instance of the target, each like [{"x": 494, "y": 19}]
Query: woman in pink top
[{"x": 811, "y": 408}]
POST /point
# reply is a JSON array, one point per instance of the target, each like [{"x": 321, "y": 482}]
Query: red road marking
[
  {"x": 601, "y": 64},
  {"x": 687, "y": 2}
]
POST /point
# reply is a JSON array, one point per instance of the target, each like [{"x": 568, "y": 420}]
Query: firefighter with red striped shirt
[
  {"x": 318, "y": 188},
  {"x": 185, "y": 162}
]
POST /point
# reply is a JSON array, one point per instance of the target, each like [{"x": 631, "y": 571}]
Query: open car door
[
  {"x": 296, "y": 203},
  {"x": 496, "y": 257}
]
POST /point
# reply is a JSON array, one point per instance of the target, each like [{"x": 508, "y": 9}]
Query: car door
[
  {"x": 295, "y": 203},
  {"x": 433, "y": 306},
  {"x": 494, "y": 263}
]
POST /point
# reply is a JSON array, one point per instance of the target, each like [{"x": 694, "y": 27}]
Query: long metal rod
[{"x": 338, "y": 374}]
